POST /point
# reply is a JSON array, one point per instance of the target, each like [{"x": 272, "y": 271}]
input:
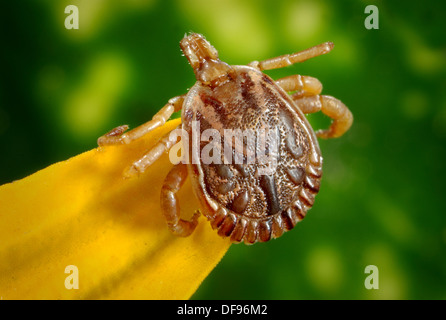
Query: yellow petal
[{"x": 82, "y": 213}]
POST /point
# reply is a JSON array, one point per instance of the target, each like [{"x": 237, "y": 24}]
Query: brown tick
[{"x": 238, "y": 201}]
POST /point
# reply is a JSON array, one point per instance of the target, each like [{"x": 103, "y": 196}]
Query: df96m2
[{"x": 243, "y": 309}]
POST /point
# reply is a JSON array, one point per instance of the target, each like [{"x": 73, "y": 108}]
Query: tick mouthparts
[
  {"x": 197, "y": 49},
  {"x": 203, "y": 58}
]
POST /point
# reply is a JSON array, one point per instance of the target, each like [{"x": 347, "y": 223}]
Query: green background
[{"x": 381, "y": 200}]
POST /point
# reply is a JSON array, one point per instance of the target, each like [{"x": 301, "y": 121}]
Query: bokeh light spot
[
  {"x": 90, "y": 105},
  {"x": 325, "y": 269},
  {"x": 303, "y": 21}
]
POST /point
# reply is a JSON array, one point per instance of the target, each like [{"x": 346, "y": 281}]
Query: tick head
[
  {"x": 197, "y": 49},
  {"x": 203, "y": 58}
]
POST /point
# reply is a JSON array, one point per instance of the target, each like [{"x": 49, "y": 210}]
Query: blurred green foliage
[{"x": 381, "y": 197}]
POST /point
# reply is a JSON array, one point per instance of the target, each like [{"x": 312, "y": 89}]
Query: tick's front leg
[
  {"x": 332, "y": 107},
  {"x": 117, "y": 135},
  {"x": 289, "y": 59},
  {"x": 169, "y": 202}
]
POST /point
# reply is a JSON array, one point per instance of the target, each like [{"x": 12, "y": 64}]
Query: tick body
[{"x": 239, "y": 199}]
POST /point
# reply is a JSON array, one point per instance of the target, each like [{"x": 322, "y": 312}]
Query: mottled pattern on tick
[{"x": 253, "y": 101}]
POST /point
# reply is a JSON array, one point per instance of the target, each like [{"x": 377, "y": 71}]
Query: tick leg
[
  {"x": 289, "y": 59},
  {"x": 169, "y": 202},
  {"x": 150, "y": 156},
  {"x": 117, "y": 135},
  {"x": 332, "y": 107},
  {"x": 304, "y": 85}
]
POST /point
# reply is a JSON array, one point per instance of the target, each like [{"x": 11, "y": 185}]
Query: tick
[{"x": 239, "y": 201}]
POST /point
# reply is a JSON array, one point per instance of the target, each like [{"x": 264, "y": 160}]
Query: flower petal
[{"x": 81, "y": 212}]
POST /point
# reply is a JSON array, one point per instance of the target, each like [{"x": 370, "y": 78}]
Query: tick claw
[{"x": 130, "y": 172}]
